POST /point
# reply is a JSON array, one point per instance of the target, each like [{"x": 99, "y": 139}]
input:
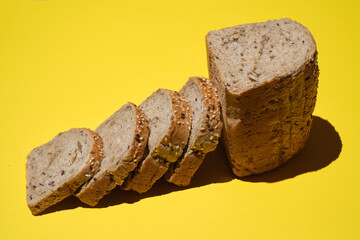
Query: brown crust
[
  {"x": 98, "y": 187},
  {"x": 211, "y": 125},
  {"x": 279, "y": 141},
  {"x": 169, "y": 150},
  {"x": 181, "y": 174},
  {"x": 267, "y": 125},
  {"x": 92, "y": 167},
  {"x": 150, "y": 171}
]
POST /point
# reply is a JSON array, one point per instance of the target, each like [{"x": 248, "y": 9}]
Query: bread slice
[
  {"x": 169, "y": 119},
  {"x": 125, "y": 135},
  {"x": 56, "y": 169},
  {"x": 205, "y": 131},
  {"x": 267, "y": 78}
]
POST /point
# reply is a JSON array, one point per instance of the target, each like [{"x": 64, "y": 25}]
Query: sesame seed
[{"x": 211, "y": 138}]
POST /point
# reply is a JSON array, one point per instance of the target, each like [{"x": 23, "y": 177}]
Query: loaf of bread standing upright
[{"x": 267, "y": 77}]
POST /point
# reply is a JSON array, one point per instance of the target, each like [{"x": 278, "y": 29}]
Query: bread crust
[
  {"x": 101, "y": 185},
  {"x": 206, "y": 140},
  {"x": 92, "y": 167},
  {"x": 267, "y": 125},
  {"x": 96, "y": 189},
  {"x": 171, "y": 146}
]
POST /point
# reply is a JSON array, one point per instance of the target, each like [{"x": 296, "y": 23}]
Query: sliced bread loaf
[
  {"x": 267, "y": 78},
  {"x": 205, "y": 131},
  {"x": 169, "y": 119},
  {"x": 125, "y": 135},
  {"x": 56, "y": 169}
]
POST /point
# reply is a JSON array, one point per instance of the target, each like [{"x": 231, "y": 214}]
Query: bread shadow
[
  {"x": 215, "y": 169},
  {"x": 322, "y": 148}
]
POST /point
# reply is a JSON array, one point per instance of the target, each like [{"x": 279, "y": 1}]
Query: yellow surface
[{"x": 66, "y": 64}]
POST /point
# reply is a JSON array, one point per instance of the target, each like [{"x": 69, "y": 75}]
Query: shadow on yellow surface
[{"x": 323, "y": 146}]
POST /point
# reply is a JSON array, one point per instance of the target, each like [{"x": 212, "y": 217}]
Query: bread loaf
[{"x": 267, "y": 78}]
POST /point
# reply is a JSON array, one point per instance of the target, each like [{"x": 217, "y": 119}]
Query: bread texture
[
  {"x": 267, "y": 78},
  {"x": 205, "y": 130},
  {"x": 125, "y": 135},
  {"x": 169, "y": 118},
  {"x": 56, "y": 169}
]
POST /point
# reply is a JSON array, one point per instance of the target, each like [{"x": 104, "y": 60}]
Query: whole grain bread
[
  {"x": 125, "y": 135},
  {"x": 169, "y": 118},
  {"x": 56, "y": 169},
  {"x": 267, "y": 78},
  {"x": 205, "y": 130}
]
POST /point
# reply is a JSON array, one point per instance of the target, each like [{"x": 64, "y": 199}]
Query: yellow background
[{"x": 66, "y": 64}]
